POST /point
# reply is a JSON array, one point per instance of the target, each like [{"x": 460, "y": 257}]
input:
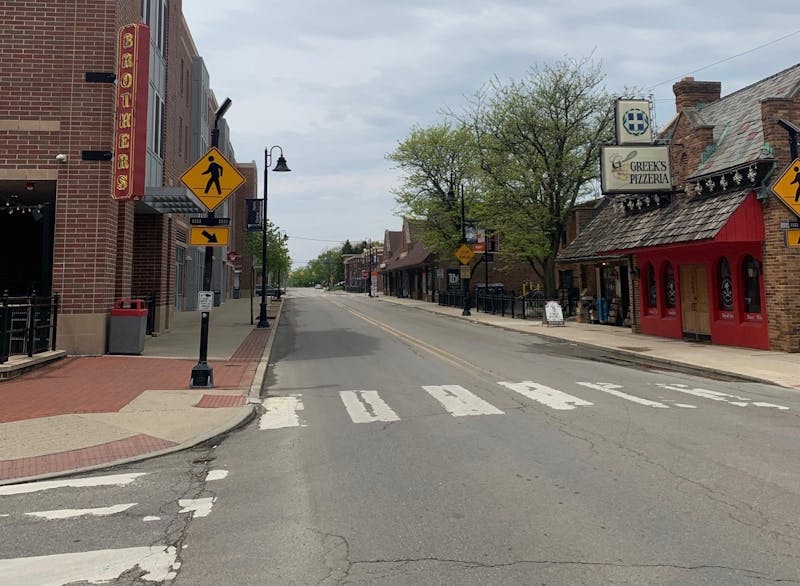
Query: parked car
[
  {"x": 318, "y": 286},
  {"x": 272, "y": 291}
]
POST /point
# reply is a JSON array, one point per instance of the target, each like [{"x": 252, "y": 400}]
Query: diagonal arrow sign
[{"x": 211, "y": 237}]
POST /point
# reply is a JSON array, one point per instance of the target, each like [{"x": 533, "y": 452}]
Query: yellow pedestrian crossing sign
[
  {"x": 212, "y": 179},
  {"x": 464, "y": 254},
  {"x": 787, "y": 187}
]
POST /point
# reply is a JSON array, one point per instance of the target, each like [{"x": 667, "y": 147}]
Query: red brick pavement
[
  {"x": 105, "y": 384},
  {"x": 214, "y": 401},
  {"x": 82, "y": 458}
]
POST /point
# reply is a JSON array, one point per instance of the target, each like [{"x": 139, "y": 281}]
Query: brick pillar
[{"x": 781, "y": 264}]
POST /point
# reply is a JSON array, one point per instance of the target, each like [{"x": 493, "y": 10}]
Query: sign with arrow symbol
[{"x": 209, "y": 236}]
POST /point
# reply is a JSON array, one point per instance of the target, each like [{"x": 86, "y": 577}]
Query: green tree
[
  {"x": 434, "y": 161},
  {"x": 278, "y": 260},
  {"x": 538, "y": 142}
]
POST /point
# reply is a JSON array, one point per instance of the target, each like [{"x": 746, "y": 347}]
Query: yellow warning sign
[
  {"x": 787, "y": 187},
  {"x": 212, "y": 178},
  {"x": 464, "y": 254},
  {"x": 793, "y": 238},
  {"x": 209, "y": 236}
]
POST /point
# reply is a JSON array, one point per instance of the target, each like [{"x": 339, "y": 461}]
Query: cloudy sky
[{"x": 338, "y": 83}]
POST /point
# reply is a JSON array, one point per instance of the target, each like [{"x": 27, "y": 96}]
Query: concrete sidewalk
[
  {"x": 82, "y": 413},
  {"x": 779, "y": 368}
]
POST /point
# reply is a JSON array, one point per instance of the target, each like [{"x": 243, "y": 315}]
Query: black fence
[
  {"x": 507, "y": 304},
  {"x": 28, "y": 325}
]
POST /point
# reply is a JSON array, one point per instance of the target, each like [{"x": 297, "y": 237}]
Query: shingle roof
[
  {"x": 683, "y": 220},
  {"x": 736, "y": 119},
  {"x": 417, "y": 255}
]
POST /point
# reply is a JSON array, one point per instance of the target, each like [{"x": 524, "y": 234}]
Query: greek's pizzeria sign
[{"x": 635, "y": 169}]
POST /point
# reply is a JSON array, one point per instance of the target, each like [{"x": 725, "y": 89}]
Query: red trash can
[{"x": 127, "y": 327}]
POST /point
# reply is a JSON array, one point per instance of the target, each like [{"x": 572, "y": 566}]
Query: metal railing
[
  {"x": 28, "y": 325},
  {"x": 506, "y": 304}
]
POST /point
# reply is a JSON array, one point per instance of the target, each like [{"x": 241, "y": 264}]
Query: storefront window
[
  {"x": 752, "y": 285},
  {"x": 725, "y": 284},
  {"x": 651, "y": 286},
  {"x": 669, "y": 286}
]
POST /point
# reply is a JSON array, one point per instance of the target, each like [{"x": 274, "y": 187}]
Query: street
[{"x": 396, "y": 446}]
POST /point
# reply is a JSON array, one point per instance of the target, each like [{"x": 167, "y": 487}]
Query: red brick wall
[
  {"x": 239, "y": 223},
  {"x": 781, "y": 264},
  {"x": 179, "y": 53}
]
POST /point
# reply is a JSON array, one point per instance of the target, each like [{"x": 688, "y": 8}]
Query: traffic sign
[
  {"x": 210, "y": 221},
  {"x": 212, "y": 178},
  {"x": 787, "y": 187},
  {"x": 793, "y": 238},
  {"x": 209, "y": 236},
  {"x": 464, "y": 254}
]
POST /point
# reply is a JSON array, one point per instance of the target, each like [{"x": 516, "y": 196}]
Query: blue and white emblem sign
[{"x": 634, "y": 122}]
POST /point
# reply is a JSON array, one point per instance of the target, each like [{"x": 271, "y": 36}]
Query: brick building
[
  {"x": 66, "y": 233},
  {"x": 708, "y": 260}
]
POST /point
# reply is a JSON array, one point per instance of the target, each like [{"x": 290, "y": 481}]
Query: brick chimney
[{"x": 691, "y": 94}]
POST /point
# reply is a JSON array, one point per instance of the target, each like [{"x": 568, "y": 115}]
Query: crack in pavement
[{"x": 478, "y": 564}]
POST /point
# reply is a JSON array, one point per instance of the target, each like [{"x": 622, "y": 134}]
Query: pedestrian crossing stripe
[{"x": 367, "y": 406}]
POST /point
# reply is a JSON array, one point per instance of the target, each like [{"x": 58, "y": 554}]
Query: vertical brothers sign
[{"x": 130, "y": 124}]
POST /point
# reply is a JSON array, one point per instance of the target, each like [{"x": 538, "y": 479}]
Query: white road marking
[
  {"x": 281, "y": 412},
  {"x": 216, "y": 475},
  {"x": 366, "y": 407},
  {"x": 718, "y": 396},
  {"x": 686, "y": 406},
  {"x": 611, "y": 389},
  {"x": 151, "y": 518},
  {"x": 546, "y": 395},
  {"x": 198, "y": 507},
  {"x": 460, "y": 402},
  {"x": 71, "y": 513},
  {"x": 111, "y": 480},
  {"x": 93, "y": 567}
]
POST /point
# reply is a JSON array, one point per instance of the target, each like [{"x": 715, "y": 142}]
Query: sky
[{"x": 338, "y": 84}]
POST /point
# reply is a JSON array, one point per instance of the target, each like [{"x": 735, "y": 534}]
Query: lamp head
[
  {"x": 281, "y": 165},
  {"x": 451, "y": 196}
]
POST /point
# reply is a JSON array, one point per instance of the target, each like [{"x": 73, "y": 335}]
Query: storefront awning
[
  {"x": 169, "y": 200},
  {"x": 684, "y": 221}
]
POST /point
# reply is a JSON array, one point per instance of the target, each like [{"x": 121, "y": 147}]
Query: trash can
[
  {"x": 217, "y": 297},
  {"x": 127, "y": 327}
]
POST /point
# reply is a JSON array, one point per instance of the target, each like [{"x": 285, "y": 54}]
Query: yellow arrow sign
[
  {"x": 212, "y": 178},
  {"x": 793, "y": 238},
  {"x": 209, "y": 236},
  {"x": 464, "y": 254},
  {"x": 787, "y": 187}
]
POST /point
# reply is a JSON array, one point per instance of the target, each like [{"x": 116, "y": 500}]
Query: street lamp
[
  {"x": 280, "y": 167},
  {"x": 451, "y": 197}
]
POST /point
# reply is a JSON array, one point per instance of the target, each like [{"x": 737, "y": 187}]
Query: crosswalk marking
[
  {"x": 72, "y": 513},
  {"x": 611, "y": 389},
  {"x": 460, "y": 402},
  {"x": 718, "y": 396},
  {"x": 281, "y": 412},
  {"x": 108, "y": 480},
  {"x": 366, "y": 407},
  {"x": 546, "y": 395},
  {"x": 93, "y": 567}
]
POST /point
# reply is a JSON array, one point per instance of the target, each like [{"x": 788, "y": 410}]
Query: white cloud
[{"x": 338, "y": 84}]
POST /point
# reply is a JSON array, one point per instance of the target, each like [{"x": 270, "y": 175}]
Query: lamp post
[
  {"x": 451, "y": 197},
  {"x": 280, "y": 167}
]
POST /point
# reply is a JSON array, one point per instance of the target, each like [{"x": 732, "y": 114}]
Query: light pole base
[{"x": 202, "y": 376}]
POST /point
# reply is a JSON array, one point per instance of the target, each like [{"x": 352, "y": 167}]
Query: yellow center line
[{"x": 444, "y": 355}]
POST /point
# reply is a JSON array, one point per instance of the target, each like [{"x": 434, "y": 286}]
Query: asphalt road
[
  {"x": 402, "y": 447},
  {"x": 574, "y": 471}
]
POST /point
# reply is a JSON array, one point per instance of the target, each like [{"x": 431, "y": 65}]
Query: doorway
[{"x": 695, "y": 313}]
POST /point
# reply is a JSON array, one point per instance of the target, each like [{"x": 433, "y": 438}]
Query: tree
[
  {"x": 435, "y": 161},
  {"x": 538, "y": 142},
  {"x": 279, "y": 262}
]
